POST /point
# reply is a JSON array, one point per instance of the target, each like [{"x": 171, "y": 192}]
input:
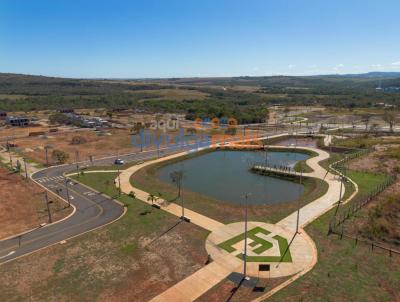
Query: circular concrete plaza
[{"x": 267, "y": 244}]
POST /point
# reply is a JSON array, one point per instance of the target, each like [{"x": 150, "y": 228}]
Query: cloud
[
  {"x": 396, "y": 63},
  {"x": 291, "y": 66},
  {"x": 338, "y": 66}
]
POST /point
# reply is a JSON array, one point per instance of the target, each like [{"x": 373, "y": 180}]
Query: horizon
[
  {"x": 212, "y": 77},
  {"x": 157, "y": 40}
]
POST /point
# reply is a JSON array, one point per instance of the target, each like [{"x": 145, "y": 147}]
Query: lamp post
[
  {"x": 177, "y": 177},
  {"x": 77, "y": 161},
  {"x": 298, "y": 201},
  {"x": 119, "y": 182},
  {"x": 26, "y": 171},
  {"x": 245, "y": 237},
  {"x": 66, "y": 187},
  {"x": 48, "y": 208}
]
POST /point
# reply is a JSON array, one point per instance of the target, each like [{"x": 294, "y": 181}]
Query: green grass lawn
[
  {"x": 225, "y": 212},
  {"x": 346, "y": 272},
  {"x": 264, "y": 245}
]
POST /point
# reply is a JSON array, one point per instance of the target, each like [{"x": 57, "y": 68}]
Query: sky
[{"x": 195, "y": 38}]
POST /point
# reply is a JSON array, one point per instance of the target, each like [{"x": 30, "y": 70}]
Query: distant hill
[
  {"x": 223, "y": 94},
  {"x": 374, "y": 74}
]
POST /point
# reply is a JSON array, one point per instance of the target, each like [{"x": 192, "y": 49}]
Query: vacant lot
[
  {"x": 12, "y": 132},
  {"x": 98, "y": 144},
  {"x": 133, "y": 259},
  {"x": 22, "y": 205},
  {"x": 380, "y": 219}
]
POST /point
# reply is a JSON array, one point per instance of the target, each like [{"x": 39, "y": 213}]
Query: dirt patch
[
  {"x": 13, "y": 132},
  {"x": 22, "y": 205},
  {"x": 379, "y": 220},
  {"x": 226, "y": 290},
  {"x": 376, "y": 161},
  {"x": 133, "y": 259},
  {"x": 96, "y": 143}
]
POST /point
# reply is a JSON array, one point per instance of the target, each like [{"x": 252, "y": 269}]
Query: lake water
[{"x": 225, "y": 175}]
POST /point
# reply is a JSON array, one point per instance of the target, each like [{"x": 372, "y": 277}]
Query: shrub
[
  {"x": 59, "y": 156},
  {"x": 58, "y": 118},
  {"x": 78, "y": 140}
]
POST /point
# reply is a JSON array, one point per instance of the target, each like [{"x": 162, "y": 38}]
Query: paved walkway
[
  {"x": 195, "y": 285},
  {"x": 303, "y": 249},
  {"x": 5, "y": 159},
  {"x": 196, "y": 218}
]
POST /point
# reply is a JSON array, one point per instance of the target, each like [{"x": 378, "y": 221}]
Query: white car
[{"x": 118, "y": 161}]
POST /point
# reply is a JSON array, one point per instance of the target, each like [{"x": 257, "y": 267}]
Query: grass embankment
[
  {"x": 225, "y": 212},
  {"x": 346, "y": 272},
  {"x": 301, "y": 166},
  {"x": 132, "y": 259}
]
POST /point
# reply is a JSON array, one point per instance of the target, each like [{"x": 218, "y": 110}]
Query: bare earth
[
  {"x": 98, "y": 145},
  {"x": 22, "y": 205}
]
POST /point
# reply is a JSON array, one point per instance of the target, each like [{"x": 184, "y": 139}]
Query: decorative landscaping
[{"x": 259, "y": 245}]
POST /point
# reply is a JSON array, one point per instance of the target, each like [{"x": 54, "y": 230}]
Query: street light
[
  {"x": 245, "y": 237},
  {"x": 66, "y": 187},
  {"x": 298, "y": 200},
  {"x": 177, "y": 177}
]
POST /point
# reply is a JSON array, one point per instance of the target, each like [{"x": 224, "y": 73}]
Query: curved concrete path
[{"x": 302, "y": 246}]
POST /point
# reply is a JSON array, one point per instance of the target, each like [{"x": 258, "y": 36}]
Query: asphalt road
[{"x": 92, "y": 209}]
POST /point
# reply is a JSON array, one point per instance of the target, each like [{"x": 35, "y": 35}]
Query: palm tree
[{"x": 151, "y": 198}]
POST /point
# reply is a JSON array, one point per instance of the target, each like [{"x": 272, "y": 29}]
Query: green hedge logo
[{"x": 258, "y": 246}]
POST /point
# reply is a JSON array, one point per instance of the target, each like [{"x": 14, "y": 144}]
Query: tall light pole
[
  {"x": 76, "y": 160},
  {"x": 46, "y": 149},
  {"x": 66, "y": 187},
  {"x": 298, "y": 200},
  {"x": 119, "y": 183},
  {"x": 340, "y": 194},
  {"x": 177, "y": 178},
  {"x": 245, "y": 237},
  {"x": 26, "y": 171},
  {"x": 48, "y": 208}
]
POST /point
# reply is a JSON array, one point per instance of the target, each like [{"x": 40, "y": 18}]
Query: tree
[
  {"x": 374, "y": 128},
  {"x": 151, "y": 198},
  {"x": 78, "y": 140},
  {"x": 59, "y": 118},
  {"x": 18, "y": 166},
  {"x": 59, "y": 156},
  {"x": 176, "y": 178},
  {"x": 366, "y": 118},
  {"x": 137, "y": 127},
  {"x": 390, "y": 118}
]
